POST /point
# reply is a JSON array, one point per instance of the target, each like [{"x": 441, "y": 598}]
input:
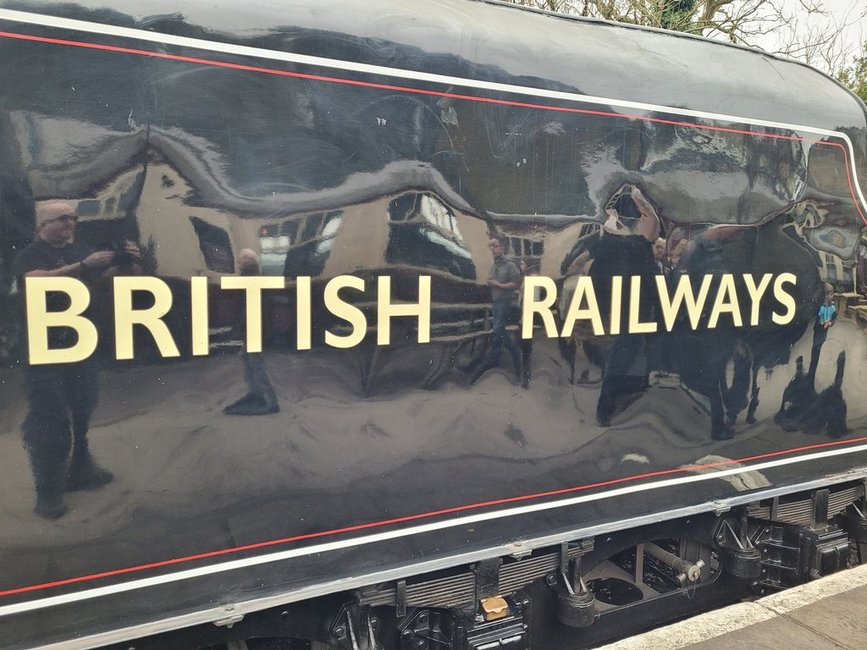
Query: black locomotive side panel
[{"x": 321, "y": 321}]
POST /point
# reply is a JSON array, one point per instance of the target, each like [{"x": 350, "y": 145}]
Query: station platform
[{"x": 829, "y": 613}]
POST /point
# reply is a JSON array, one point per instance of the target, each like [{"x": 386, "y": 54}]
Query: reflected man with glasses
[{"x": 62, "y": 397}]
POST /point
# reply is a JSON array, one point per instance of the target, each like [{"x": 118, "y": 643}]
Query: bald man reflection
[
  {"x": 260, "y": 398},
  {"x": 62, "y": 397}
]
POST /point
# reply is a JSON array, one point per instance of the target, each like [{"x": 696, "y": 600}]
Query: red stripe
[
  {"x": 424, "y": 515},
  {"x": 381, "y": 86},
  {"x": 434, "y": 93},
  {"x": 455, "y": 509},
  {"x": 420, "y": 91},
  {"x": 849, "y": 179}
]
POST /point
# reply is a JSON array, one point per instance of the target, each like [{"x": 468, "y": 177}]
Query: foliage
[
  {"x": 739, "y": 21},
  {"x": 804, "y": 31},
  {"x": 855, "y": 76}
]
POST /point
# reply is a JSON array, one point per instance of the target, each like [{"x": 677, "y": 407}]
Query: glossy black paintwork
[{"x": 195, "y": 162}]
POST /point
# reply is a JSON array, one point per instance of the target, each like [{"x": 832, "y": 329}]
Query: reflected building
[
  {"x": 384, "y": 184},
  {"x": 352, "y": 181}
]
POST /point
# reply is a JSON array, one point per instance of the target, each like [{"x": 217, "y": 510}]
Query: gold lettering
[
  {"x": 39, "y": 320},
  {"x": 784, "y": 298},
  {"x": 199, "y": 316},
  {"x": 726, "y": 302},
  {"x": 583, "y": 289},
  {"x": 542, "y": 306},
  {"x": 756, "y": 293},
  {"x": 351, "y": 314},
  {"x": 253, "y": 287},
  {"x": 635, "y": 325},
  {"x": 125, "y": 317},
  {"x": 303, "y": 314},
  {"x": 616, "y": 303},
  {"x": 385, "y": 310},
  {"x": 682, "y": 294}
]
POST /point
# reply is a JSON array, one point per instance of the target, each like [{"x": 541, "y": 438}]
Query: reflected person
[
  {"x": 826, "y": 316},
  {"x": 260, "y": 398},
  {"x": 504, "y": 280},
  {"x": 815, "y": 413},
  {"x": 629, "y": 253},
  {"x": 737, "y": 396},
  {"x": 659, "y": 257},
  {"x": 62, "y": 397},
  {"x": 660, "y": 345}
]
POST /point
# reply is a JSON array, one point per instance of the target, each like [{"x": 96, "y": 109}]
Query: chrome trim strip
[
  {"x": 357, "y": 582},
  {"x": 143, "y": 583}
]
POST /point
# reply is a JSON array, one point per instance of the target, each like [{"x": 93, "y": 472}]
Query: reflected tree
[{"x": 805, "y": 30}]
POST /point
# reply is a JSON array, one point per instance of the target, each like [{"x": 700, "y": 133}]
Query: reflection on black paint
[
  {"x": 327, "y": 179},
  {"x": 308, "y": 254},
  {"x": 215, "y": 246},
  {"x": 424, "y": 232},
  {"x": 804, "y": 409}
]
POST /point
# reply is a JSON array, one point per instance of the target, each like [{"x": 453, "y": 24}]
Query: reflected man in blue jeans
[{"x": 504, "y": 280}]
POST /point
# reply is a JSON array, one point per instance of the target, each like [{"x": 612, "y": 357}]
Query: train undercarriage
[{"x": 574, "y": 595}]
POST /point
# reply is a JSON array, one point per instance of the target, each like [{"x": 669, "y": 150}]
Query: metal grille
[
  {"x": 800, "y": 512},
  {"x": 460, "y": 589}
]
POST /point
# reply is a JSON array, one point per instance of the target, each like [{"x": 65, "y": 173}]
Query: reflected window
[
  {"x": 299, "y": 245},
  {"x": 403, "y": 207},
  {"x": 439, "y": 215},
  {"x": 215, "y": 246},
  {"x": 523, "y": 247},
  {"x": 831, "y": 268},
  {"x": 331, "y": 224},
  {"x": 289, "y": 231},
  {"x": 88, "y": 208},
  {"x": 423, "y": 231},
  {"x": 312, "y": 227}
]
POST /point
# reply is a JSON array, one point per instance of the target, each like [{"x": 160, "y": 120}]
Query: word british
[
  {"x": 688, "y": 298},
  {"x": 126, "y": 316}
]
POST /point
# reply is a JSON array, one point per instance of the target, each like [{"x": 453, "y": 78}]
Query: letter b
[{"x": 39, "y": 319}]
